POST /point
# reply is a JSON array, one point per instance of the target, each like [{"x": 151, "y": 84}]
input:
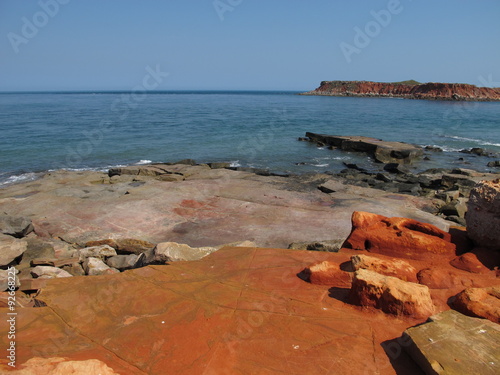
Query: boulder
[
  {"x": 95, "y": 266},
  {"x": 326, "y": 273},
  {"x": 479, "y": 302},
  {"x": 124, "y": 245},
  {"x": 15, "y": 226},
  {"x": 469, "y": 262},
  {"x": 10, "y": 249},
  {"x": 439, "y": 278},
  {"x": 74, "y": 269},
  {"x": 62, "y": 366},
  {"x": 391, "y": 295},
  {"x": 388, "y": 267},
  {"x": 456, "y": 207},
  {"x": 483, "y": 215},
  {"x": 4, "y": 279},
  {"x": 174, "y": 252},
  {"x": 331, "y": 246},
  {"x": 100, "y": 252},
  {"x": 452, "y": 343},
  {"x": 48, "y": 272},
  {"x": 398, "y": 237},
  {"x": 125, "y": 262},
  {"x": 38, "y": 249},
  {"x": 494, "y": 164}
]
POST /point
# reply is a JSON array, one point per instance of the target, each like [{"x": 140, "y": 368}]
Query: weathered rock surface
[
  {"x": 175, "y": 252},
  {"x": 209, "y": 207},
  {"x": 101, "y": 252},
  {"x": 479, "y": 302},
  {"x": 398, "y": 237},
  {"x": 95, "y": 266},
  {"x": 239, "y": 310},
  {"x": 483, "y": 215},
  {"x": 10, "y": 249},
  {"x": 382, "y": 151},
  {"x": 61, "y": 366},
  {"x": 125, "y": 262},
  {"x": 431, "y": 90},
  {"x": 391, "y": 294},
  {"x": 451, "y": 343},
  {"x": 48, "y": 272},
  {"x": 389, "y": 267},
  {"x": 124, "y": 245},
  {"x": 15, "y": 226},
  {"x": 469, "y": 262}
]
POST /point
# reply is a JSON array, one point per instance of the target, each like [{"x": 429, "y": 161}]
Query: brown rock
[
  {"x": 469, "y": 262},
  {"x": 124, "y": 245},
  {"x": 388, "y": 267},
  {"x": 398, "y": 237},
  {"x": 483, "y": 215},
  {"x": 10, "y": 249},
  {"x": 391, "y": 294},
  {"x": 479, "y": 302},
  {"x": 15, "y": 226},
  {"x": 327, "y": 273}
]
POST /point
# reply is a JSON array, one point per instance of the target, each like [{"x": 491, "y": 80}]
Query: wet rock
[
  {"x": 476, "y": 151},
  {"x": 329, "y": 245},
  {"x": 95, "y": 266},
  {"x": 398, "y": 237},
  {"x": 326, "y": 273},
  {"x": 483, "y": 215},
  {"x": 100, "y": 252},
  {"x": 6, "y": 279},
  {"x": 388, "y": 267},
  {"x": 433, "y": 148},
  {"x": 15, "y": 226},
  {"x": 219, "y": 165},
  {"x": 479, "y": 302},
  {"x": 451, "y": 343},
  {"x": 303, "y": 139},
  {"x": 10, "y": 249},
  {"x": 494, "y": 164},
  {"x": 457, "y": 207},
  {"x": 124, "y": 245},
  {"x": 47, "y": 272},
  {"x": 383, "y": 177},
  {"x": 391, "y": 295},
  {"x": 396, "y": 168},
  {"x": 125, "y": 262},
  {"x": 469, "y": 262}
]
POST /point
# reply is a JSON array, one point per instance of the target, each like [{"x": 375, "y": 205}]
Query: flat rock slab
[
  {"x": 237, "y": 311},
  {"x": 382, "y": 151},
  {"x": 452, "y": 343},
  {"x": 209, "y": 208}
]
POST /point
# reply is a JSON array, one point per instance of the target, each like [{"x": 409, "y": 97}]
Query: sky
[{"x": 59, "y": 45}]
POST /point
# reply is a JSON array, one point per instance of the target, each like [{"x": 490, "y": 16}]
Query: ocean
[{"x": 99, "y": 130}]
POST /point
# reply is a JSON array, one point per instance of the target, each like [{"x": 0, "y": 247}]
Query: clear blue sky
[{"x": 251, "y": 44}]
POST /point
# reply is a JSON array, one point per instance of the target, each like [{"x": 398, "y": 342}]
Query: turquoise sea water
[{"x": 45, "y": 131}]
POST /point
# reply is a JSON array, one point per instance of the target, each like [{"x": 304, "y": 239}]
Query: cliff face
[{"x": 432, "y": 90}]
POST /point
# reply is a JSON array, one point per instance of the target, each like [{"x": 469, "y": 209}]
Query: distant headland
[{"x": 407, "y": 89}]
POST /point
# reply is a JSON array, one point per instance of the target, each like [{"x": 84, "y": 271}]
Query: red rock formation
[
  {"x": 327, "y": 273},
  {"x": 398, "y": 237},
  {"x": 479, "y": 302},
  {"x": 431, "y": 90},
  {"x": 469, "y": 262},
  {"x": 389, "y": 267}
]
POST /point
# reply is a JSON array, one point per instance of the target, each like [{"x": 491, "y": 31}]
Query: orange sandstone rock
[
  {"x": 389, "y": 267},
  {"x": 479, "y": 302},
  {"x": 398, "y": 237},
  {"x": 327, "y": 273}
]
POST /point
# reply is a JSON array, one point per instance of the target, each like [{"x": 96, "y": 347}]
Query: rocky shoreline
[
  {"x": 224, "y": 230},
  {"x": 407, "y": 90}
]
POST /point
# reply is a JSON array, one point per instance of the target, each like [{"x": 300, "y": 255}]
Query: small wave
[
  {"x": 479, "y": 141},
  {"x": 235, "y": 164},
  {"x": 31, "y": 176},
  {"x": 444, "y": 148},
  {"x": 320, "y": 165},
  {"x": 142, "y": 162}
]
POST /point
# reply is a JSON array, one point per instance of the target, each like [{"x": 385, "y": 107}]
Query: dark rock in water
[
  {"x": 396, "y": 168},
  {"x": 303, "y": 139},
  {"x": 15, "y": 226},
  {"x": 476, "y": 151},
  {"x": 452, "y": 343},
  {"x": 426, "y": 158},
  {"x": 495, "y": 164},
  {"x": 381, "y": 151},
  {"x": 354, "y": 166},
  {"x": 219, "y": 165},
  {"x": 300, "y": 163},
  {"x": 183, "y": 161},
  {"x": 434, "y": 148},
  {"x": 383, "y": 177}
]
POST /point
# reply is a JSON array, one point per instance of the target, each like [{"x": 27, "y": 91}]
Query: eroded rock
[
  {"x": 388, "y": 267},
  {"x": 479, "y": 302},
  {"x": 95, "y": 266},
  {"x": 326, "y": 273},
  {"x": 391, "y": 294},
  {"x": 48, "y": 272},
  {"x": 15, "y": 226},
  {"x": 10, "y": 249},
  {"x": 100, "y": 252}
]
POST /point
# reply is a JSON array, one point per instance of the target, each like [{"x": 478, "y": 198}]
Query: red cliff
[{"x": 407, "y": 89}]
